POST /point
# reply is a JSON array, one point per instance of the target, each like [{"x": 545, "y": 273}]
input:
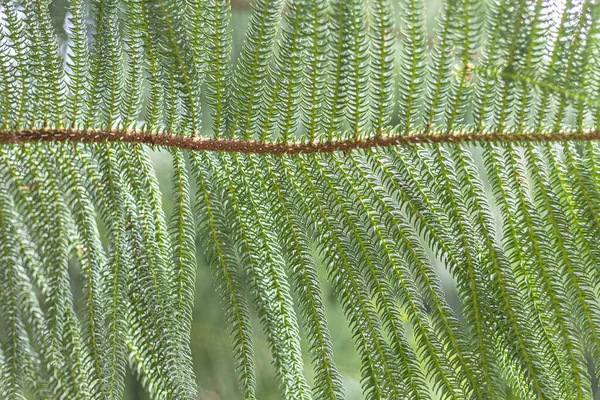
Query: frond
[{"x": 439, "y": 179}]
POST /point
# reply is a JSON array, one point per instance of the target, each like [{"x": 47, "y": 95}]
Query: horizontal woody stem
[{"x": 196, "y": 143}]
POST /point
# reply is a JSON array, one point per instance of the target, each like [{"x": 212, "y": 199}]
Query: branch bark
[{"x": 195, "y": 143}]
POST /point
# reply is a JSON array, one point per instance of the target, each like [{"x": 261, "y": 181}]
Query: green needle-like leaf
[{"x": 425, "y": 171}]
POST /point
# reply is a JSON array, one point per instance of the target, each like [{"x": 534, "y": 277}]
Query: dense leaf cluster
[{"x": 515, "y": 224}]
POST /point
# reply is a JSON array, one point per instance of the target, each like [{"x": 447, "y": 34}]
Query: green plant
[{"x": 339, "y": 128}]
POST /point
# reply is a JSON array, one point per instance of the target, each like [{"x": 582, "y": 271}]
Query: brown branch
[{"x": 40, "y": 135}]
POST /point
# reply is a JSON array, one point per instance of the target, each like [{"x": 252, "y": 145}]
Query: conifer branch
[{"x": 222, "y": 145}]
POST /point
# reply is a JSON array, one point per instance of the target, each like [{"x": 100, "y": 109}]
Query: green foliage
[{"x": 516, "y": 225}]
